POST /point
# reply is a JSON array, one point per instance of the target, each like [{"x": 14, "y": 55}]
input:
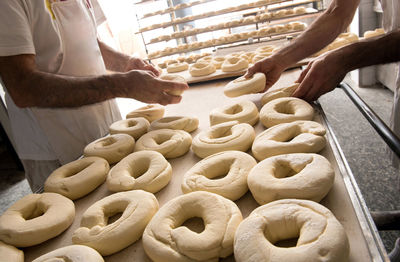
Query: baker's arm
[
  {"x": 30, "y": 87},
  {"x": 327, "y": 71},
  {"x": 319, "y": 34},
  {"x": 119, "y": 62}
]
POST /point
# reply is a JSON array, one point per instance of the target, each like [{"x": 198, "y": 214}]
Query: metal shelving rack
[{"x": 180, "y": 37}]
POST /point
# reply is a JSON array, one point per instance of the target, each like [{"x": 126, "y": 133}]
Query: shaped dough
[
  {"x": 135, "y": 127},
  {"x": 150, "y": 112},
  {"x": 234, "y": 166},
  {"x": 278, "y": 93},
  {"x": 167, "y": 239},
  {"x": 244, "y": 112},
  {"x": 188, "y": 124},
  {"x": 73, "y": 253},
  {"x": 170, "y": 143},
  {"x": 299, "y": 176},
  {"x": 222, "y": 137},
  {"x": 146, "y": 170},
  {"x": 286, "y": 138},
  {"x": 112, "y": 148},
  {"x": 285, "y": 110},
  {"x": 10, "y": 253},
  {"x": 242, "y": 86},
  {"x": 36, "y": 218},
  {"x": 78, "y": 178},
  {"x": 137, "y": 208},
  {"x": 320, "y": 235}
]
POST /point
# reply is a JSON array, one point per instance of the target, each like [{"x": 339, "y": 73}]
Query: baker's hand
[
  {"x": 145, "y": 87},
  {"x": 135, "y": 63},
  {"x": 271, "y": 67},
  {"x": 321, "y": 76}
]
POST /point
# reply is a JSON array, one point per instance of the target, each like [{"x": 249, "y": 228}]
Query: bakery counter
[{"x": 344, "y": 199}]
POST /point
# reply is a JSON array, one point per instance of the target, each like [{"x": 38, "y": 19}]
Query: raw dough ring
[
  {"x": 188, "y": 124},
  {"x": 232, "y": 64},
  {"x": 73, "y": 253},
  {"x": 146, "y": 170},
  {"x": 167, "y": 239},
  {"x": 286, "y": 138},
  {"x": 150, "y": 112},
  {"x": 244, "y": 112},
  {"x": 233, "y": 165},
  {"x": 285, "y": 110},
  {"x": 170, "y": 143},
  {"x": 202, "y": 68},
  {"x": 135, "y": 127},
  {"x": 78, "y": 178},
  {"x": 112, "y": 148},
  {"x": 36, "y": 218},
  {"x": 177, "y": 67},
  {"x": 242, "y": 86},
  {"x": 223, "y": 137},
  {"x": 321, "y": 237},
  {"x": 173, "y": 77},
  {"x": 278, "y": 93},
  {"x": 10, "y": 253},
  {"x": 137, "y": 208},
  {"x": 299, "y": 176}
]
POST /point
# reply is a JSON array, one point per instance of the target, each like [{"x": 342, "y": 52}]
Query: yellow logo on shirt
[{"x": 48, "y": 5}]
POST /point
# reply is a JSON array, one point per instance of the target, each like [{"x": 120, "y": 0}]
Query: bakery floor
[{"x": 365, "y": 152}]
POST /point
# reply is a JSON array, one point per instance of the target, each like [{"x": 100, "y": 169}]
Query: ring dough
[
  {"x": 78, "y": 178},
  {"x": 320, "y": 235},
  {"x": 278, "y": 93},
  {"x": 73, "y": 253},
  {"x": 10, "y": 253},
  {"x": 167, "y": 239},
  {"x": 223, "y": 137},
  {"x": 297, "y": 176},
  {"x": 177, "y": 67},
  {"x": 170, "y": 143},
  {"x": 36, "y": 218},
  {"x": 135, "y": 127},
  {"x": 150, "y": 112},
  {"x": 242, "y": 86},
  {"x": 202, "y": 68},
  {"x": 146, "y": 170},
  {"x": 233, "y": 63},
  {"x": 286, "y": 138},
  {"x": 299, "y": 10},
  {"x": 234, "y": 166},
  {"x": 188, "y": 124},
  {"x": 96, "y": 231},
  {"x": 376, "y": 32},
  {"x": 244, "y": 112},
  {"x": 173, "y": 77},
  {"x": 285, "y": 110},
  {"x": 112, "y": 148},
  {"x": 218, "y": 61}
]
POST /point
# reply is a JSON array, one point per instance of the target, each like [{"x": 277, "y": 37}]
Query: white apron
[
  {"x": 391, "y": 21},
  {"x": 70, "y": 130}
]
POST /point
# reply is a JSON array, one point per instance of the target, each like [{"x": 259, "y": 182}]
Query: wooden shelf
[
  {"x": 230, "y": 42},
  {"x": 310, "y": 12},
  {"x": 173, "y": 9},
  {"x": 207, "y": 15}
]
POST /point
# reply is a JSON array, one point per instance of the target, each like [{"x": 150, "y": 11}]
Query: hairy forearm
[
  {"x": 114, "y": 60},
  {"x": 320, "y": 33},
  {"x": 380, "y": 50},
  {"x": 64, "y": 91},
  {"x": 30, "y": 87}
]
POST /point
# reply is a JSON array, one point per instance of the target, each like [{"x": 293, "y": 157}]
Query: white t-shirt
[{"x": 26, "y": 27}]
